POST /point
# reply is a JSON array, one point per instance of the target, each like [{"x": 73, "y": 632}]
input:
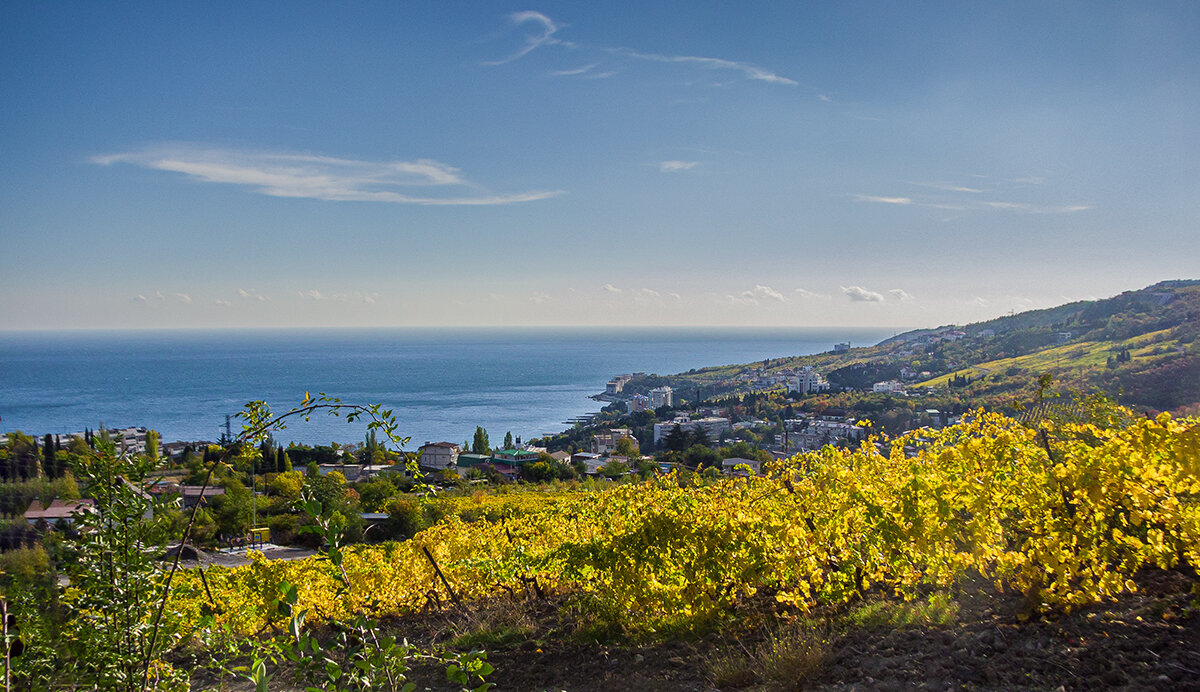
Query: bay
[{"x": 440, "y": 382}]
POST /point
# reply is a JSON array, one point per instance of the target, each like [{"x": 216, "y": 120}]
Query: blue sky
[{"x": 587, "y": 163}]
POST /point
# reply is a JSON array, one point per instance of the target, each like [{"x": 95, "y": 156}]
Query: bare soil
[{"x": 1148, "y": 640}]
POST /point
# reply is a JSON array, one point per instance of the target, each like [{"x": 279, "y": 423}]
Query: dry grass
[{"x": 786, "y": 659}]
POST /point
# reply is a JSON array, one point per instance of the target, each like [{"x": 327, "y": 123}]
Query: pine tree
[{"x": 508, "y": 440}]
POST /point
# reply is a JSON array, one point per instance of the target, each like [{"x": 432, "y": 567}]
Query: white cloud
[
  {"x": 748, "y": 71},
  {"x": 577, "y": 71},
  {"x": 318, "y": 177},
  {"x": 900, "y": 294},
  {"x": 610, "y": 288},
  {"x": 980, "y": 301},
  {"x": 676, "y": 166},
  {"x": 183, "y": 297},
  {"x": 806, "y": 294},
  {"x": 649, "y": 292},
  {"x": 223, "y": 303},
  {"x": 825, "y": 98},
  {"x": 312, "y": 294},
  {"x": 546, "y": 28},
  {"x": 756, "y": 295},
  {"x": 139, "y": 298},
  {"x": 947, "y": 187},
  {"x": 1038, "y": 209},
  {"x": 883, "y": 200},
  {"x": 673, "y": 294},
  {"x": 538, "y": 298},
  {"x": 861, "y": 295},
  {"x": 545, "y": 35}
]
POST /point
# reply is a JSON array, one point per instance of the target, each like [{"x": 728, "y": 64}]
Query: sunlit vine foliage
[{"x": 1066, "y": 513}]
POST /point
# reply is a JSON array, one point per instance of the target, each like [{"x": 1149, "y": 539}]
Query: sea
[{"x": 440, "y": 383}]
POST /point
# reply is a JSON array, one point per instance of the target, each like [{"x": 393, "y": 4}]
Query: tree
[
  {"x": 508, "y": 440},
  {"x": 676, "y": 440},
  {"x": 49, "y": 461},
  {"x": 699, "y": 436},
  {"x": 234, "y": 509},
  {"x": 480, "y": 444},
  {"x": 152, "y": 446},
  {"x": 627, "y": 447}
]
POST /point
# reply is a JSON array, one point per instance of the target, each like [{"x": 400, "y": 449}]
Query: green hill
[{"x": 1140, "y": 347}]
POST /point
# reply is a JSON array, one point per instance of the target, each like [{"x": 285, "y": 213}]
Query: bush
[
  {"x": 406, "y": 517},
  {"x": 284, "y": 528}
]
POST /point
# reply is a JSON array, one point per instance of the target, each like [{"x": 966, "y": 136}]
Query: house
[
  {"x": 592, "y": 462},
  {"x": 638, "y": 402},
  {"x": 58, "y": 510},
  {"x": 467, "y": 460},
  {"x": 350, "y": 471},
  {"x": 561, "y": 457},
  {"x": 714, "y": 427},
  {"x": 888, "y": 387},
  {"x": 729, "y": 466},
  {"x": 190, "y": 495},
  {"x": 439, "y": 455},
  {"x": 513, "y": 457},
  {"x": 605, "y": 442}
]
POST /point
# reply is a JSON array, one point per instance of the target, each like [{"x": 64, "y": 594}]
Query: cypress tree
[{"x": 49, "y": 462}]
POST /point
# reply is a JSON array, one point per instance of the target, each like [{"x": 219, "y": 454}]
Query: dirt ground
[{"x": 1149, "y": 640}]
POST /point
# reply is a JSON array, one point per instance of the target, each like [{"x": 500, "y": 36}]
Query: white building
[
  {"x": 714, "y": 427},
  {"x": 888, "y": 387},
  {"x": 661, "y": 396},
  {"x": 808, "y": 381},
  {"x": 439, "y": 455},
  {"x": 638, "y": 402}
]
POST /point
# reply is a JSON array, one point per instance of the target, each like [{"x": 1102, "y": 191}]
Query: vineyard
[
  {"x": 1065, "y": 514},
  {"x": 1062, "y": 512}
]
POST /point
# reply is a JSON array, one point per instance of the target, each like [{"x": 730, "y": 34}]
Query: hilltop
[{"x": 1139, "y": 347}]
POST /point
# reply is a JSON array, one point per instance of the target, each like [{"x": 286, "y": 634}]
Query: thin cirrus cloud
[
  {"x": 319, "y": 177},
  {"x": 544, "y": 34},
  {"x": 677, "y": 166}
]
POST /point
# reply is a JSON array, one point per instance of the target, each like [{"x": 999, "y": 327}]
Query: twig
[{"x": 438, "y": 571}]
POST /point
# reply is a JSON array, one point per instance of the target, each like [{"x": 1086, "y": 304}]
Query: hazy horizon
[{"x": 431, "y": 165}]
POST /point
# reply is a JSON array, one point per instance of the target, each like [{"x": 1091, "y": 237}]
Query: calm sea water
[{"x": 441, "y": 383}]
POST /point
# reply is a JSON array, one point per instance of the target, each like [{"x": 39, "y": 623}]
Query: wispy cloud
[
  {"x": 883, "y": 200},
  {"x": 861, "y": 295},
  {"x": 810, "y": 295},
  {"x": 223, "y": 303},
  {"x": 1024, "y": 208},
  {"x": 312, "y": 294},
  {"x": 544, "y": 27},
  {"x": 539, "y": 298},
  {"x": 677, "y": 166},
  {"x": 183, "y": 297},
  {"x": 900, "y": 294},
  {"x": 948, "y": 187},
  {"x": 609, "y": 288},
  {"x": 544, "y": 34},
  {"x": 319, "y": 177},
  {"x": 748, "y": 70},
  {"x": 251, "y": 295},
  {"x": 577, "y": 71}
]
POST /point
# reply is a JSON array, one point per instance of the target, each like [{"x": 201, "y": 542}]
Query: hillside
[{"x": 1139, "y": 347}]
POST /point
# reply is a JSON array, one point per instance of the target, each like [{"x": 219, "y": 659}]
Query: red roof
[{"x": 58, "y": 509}]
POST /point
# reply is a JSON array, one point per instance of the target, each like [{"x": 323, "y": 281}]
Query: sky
[{"x": 317, "y": 164}]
